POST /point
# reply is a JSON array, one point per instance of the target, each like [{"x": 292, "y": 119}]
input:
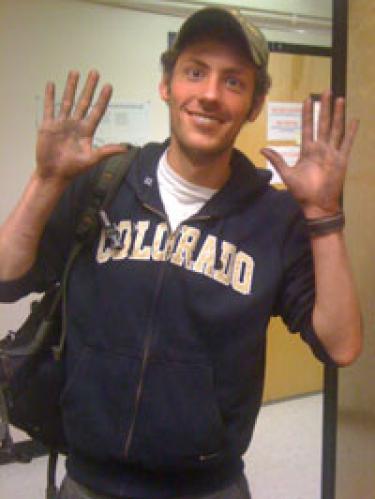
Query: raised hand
[
  {"x": 317, "y": 179},
  {"x": 65, "y": 142}
]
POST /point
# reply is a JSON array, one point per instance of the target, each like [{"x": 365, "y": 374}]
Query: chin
[{"x": 209, "y": 148}]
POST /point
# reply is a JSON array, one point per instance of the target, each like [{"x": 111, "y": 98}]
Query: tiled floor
[{"x": 283, "y": 461}]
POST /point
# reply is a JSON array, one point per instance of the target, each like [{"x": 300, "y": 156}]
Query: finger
[
  {"x": 307, "y": 123},
  {"x": 278, "y": 163},
  {"x": 324, "y": 122},
  {"x": 98, "y": 110},
  {"x": 349, "y": 137},
  {"x": 69, "y": 94},
  {"x": 49, "y": 102},
  {"x": 338, "y": 123},
  {"x": 86, "y": 95}
]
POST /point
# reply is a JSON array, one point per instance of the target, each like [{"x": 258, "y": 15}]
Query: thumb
[
  {"x": 108, "y": 150},
  {"x": 277, "y": 162}
]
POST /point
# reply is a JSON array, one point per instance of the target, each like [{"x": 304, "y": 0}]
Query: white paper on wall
[
  {"x": 122, "y": 122},
  {"x": 125, "y": 122},
  {"x": 284, "y": 121},
  {"x": 290, "y": 155}
]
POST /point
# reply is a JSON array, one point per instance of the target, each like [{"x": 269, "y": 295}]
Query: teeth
[{"x": 204, "y": 119}]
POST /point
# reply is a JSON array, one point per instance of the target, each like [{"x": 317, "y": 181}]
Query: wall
[
  {"x": 42, "y": 40},
  {"x": 356, "y": 418}
]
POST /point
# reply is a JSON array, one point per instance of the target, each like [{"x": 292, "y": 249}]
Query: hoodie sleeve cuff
[{"x": 13, "y": 290}]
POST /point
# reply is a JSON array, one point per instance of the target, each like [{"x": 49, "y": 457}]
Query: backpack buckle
[{"x": 111, "y": 231}]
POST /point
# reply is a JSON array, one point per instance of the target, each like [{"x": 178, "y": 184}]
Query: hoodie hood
[{"x": 245, "y": 183}]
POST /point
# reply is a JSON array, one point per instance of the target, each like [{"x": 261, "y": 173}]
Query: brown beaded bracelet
[{"x": 325, "y": 225}]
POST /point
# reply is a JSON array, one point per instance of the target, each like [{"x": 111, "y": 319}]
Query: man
[{"x": 166, "y": 336}]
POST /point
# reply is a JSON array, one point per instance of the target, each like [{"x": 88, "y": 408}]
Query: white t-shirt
[{"x": 181, "y": 199}]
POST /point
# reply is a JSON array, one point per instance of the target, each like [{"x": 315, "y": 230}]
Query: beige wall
[{"x": 356, "y": 431}]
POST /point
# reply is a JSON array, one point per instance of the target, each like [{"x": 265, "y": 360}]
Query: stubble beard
[{"x": 201, "y": 155}]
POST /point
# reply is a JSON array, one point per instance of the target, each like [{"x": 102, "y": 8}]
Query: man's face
[{"x": 210, "y": 94}]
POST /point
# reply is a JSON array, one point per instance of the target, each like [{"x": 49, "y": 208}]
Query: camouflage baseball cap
[{"x": 226, "y": 24}]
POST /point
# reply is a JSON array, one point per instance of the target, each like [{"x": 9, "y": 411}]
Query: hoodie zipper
[
  {"x": 150, "y": 331},
  {"x": 149, "y": 335},
  {"x": 145, "y": 359}
]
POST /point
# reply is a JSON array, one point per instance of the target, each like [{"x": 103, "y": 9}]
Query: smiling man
[{"x": 166, "y": 335}]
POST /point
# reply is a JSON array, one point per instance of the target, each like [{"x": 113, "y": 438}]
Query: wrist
[
  {"x": 311, "y": 212},
  {"x": 53, "y": 185},
  {"x": 324, "y": 225}
]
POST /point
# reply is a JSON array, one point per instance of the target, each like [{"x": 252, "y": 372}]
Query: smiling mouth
[{"x": 204, "y": 119}]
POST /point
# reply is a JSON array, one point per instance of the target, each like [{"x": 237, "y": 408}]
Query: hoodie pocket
[
  {"x": 98, "y": 402},
  {"x": 178, "y": 423}
]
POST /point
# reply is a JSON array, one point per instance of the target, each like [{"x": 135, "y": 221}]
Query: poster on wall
[
  {"x": 284, "y": 121},
  {"x": 122, "y": 122},
  {"x": 290, "y": 155}
]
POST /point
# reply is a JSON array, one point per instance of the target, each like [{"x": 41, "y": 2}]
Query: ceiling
[{"x": 299, "y": 16}]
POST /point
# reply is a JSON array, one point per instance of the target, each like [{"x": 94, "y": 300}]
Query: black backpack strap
[
  {"x": 103, "y": 191},
  {"x": 52, "y": 490},
  {"x": 105, "y": 187}
]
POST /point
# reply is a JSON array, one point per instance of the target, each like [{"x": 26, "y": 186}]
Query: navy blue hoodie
[{"x": 166, "y": 336}]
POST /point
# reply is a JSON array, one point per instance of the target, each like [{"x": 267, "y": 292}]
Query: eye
[
  {"x": 194, "y": 73},
  {"x": 234, "y": 83}
]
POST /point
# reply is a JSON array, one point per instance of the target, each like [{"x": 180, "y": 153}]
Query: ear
[
  {"x": 164, "y": 89},
  {"x": 256, "y": 108}
]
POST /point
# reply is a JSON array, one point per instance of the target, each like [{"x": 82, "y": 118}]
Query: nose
[{"x": 211, "y": 90}]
